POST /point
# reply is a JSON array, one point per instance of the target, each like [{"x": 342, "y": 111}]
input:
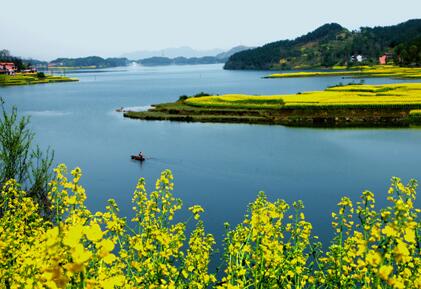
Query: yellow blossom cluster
[
  {"x": 272, "y": 248},
  {"x": 80, "y": 249},
  {"x": 382, "y": 249},
  {"x": 269, "y": 249}
]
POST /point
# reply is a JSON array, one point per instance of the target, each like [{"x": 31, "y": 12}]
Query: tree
[
  {"x": 20, "y": 161},
  {"x": 404, "y": 56},
  {"x": 4, "y": 54},
  {"x": 41, "y": 75}
]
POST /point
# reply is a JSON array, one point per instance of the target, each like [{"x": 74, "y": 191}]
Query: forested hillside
[{"x": 332, "y": 44}]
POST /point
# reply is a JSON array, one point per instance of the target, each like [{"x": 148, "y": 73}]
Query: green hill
[
  {"x": 332, "y": 44},
  {"x": 90, "y": 61}
]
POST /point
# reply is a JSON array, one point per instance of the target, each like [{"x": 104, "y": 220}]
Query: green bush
[
  {"x": 20, "y": 160},
  {"x": 182, "y": 97},
  {"x": 201, "y": 94},
  {"x": 41, "y": 75}
]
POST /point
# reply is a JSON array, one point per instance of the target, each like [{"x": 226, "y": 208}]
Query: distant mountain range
[
  {"x": 99, "y": 62},
  {"x": 219, "y": 58},
  {"x": 332, "y": 44},
  {"x": 158, "y": 61},
  {"x": 183, "y": 51}
]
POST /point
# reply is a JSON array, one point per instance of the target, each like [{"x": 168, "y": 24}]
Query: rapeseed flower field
[
  {"x": 352, "y": 96},
  {"x": 273, "y": 247},
  {"x": 361, "y": 71},
  {"x": 31, "y": 78}
]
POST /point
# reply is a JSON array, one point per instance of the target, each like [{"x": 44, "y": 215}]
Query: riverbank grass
[
  {"x": 389, "y": 71},
  {"x": 32, "y": 78}
]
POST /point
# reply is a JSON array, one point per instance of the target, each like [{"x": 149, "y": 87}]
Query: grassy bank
[
  {"x": 363, "y": 71},
  {"x": 31, "y": 78},
  {"x": 351, "y": 105}
]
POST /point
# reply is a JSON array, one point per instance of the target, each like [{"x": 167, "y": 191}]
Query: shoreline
[{"x": 334, "y": 118}]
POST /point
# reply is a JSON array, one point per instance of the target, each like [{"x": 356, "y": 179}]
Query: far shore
[
  {"x": 32, "y": 78},
  {"x": 70, "y": 67}
]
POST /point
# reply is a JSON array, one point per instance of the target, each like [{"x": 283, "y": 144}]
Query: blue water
[{"x": 219, "y": 166}]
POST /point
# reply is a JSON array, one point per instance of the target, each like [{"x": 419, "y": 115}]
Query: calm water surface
[{"x": 219, "y": 166}]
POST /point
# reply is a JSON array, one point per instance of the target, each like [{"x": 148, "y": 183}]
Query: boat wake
[
  {"x": 46, "y": 113},
  {"x": 137, "y": 108}
]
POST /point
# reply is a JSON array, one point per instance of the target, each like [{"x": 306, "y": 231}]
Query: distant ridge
[
  {"x": 91, "y": 61},
  {"x": 99, "y": 62},
  {"x": 219, "y": 58},
  {"x": 174, "y": 52},
  {"x": 332, "y": 44},
  {"x": 227, "y": 54}
]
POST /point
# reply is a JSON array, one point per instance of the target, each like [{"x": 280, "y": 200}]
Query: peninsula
[
  {"x": 386, "y": 105},
  {"x": 32, "y": 78},
  {"x": 17, "y": 71}
]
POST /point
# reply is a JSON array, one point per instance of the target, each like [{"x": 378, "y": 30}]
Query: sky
[{"x": 47, "y": 29}]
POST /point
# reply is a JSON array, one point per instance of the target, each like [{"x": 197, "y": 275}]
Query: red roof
[
  {"x": 383, "y": 59},
  {"x": 7, "y": 65}
]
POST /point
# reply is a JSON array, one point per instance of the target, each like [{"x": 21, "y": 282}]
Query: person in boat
[{"x": 141, "y": 156}]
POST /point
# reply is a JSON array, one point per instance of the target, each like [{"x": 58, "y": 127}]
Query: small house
[
  {"x": 29, "y": 70},
  {"x": 357, "y": 58},
  {"x": 383, "y": 59},
  {"x": 7, "y": 68},
  {"x": 386, "y": 58}
]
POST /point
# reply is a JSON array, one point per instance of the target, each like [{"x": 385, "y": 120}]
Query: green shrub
[
  {"x": 19, "y": 159},
  {"x": 182, "y": 97},
  {"x": 41, "y": 75},
  {"x": 202, "y": 94}
]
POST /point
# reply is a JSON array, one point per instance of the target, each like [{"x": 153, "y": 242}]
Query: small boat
[{"x": 138, "y": 158}]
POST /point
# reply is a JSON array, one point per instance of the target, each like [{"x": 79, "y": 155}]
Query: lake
[{"x": 219, "y": 166}]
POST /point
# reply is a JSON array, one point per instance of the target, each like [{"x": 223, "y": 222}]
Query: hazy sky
[{"x": 47, "y": 29}]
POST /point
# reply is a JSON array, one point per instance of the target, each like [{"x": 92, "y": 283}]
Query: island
[{"x": 388, "y": 105}]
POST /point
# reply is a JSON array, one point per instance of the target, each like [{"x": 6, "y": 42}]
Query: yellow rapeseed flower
[
  {"x": 410, "y": 235},
  {"x": 385, "y": 271},
  {"x": 373, "y": 258},
  {"x": 402, "y": 254},
  {"x": 73, "y": 235},
  {"x": 93, "y": 232}
]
